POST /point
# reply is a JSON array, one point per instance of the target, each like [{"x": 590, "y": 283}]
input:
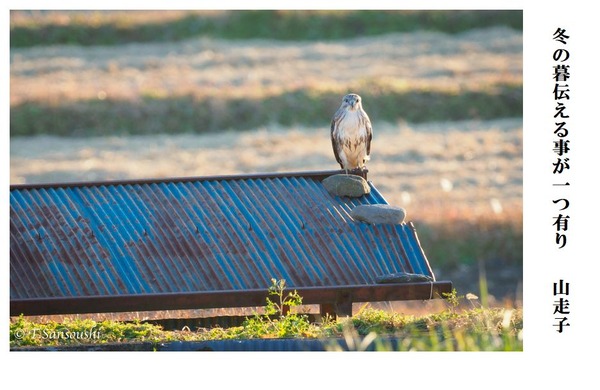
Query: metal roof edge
[
  {"x": 226, "y": 298},
  {"x": 318, "y": 175}
]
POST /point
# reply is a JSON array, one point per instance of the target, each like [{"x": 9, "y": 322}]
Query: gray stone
[
  {"x": 403, "y": 277},
  {"x": 352, "y": 186},
  {"x": 378, "y": 214}
]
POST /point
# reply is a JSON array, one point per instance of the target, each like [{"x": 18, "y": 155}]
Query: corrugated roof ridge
[{"x": 241, "y": 176}]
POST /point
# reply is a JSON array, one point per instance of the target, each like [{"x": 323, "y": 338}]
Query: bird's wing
[
  {"x": 334, "y": 142},
  {"x": 369, "y": 133}
]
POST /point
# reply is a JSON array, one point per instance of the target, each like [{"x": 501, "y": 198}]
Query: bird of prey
[{"x": 351, "y": 134}]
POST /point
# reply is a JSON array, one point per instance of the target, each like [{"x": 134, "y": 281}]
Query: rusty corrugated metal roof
[{"x": 196, "y": 235}]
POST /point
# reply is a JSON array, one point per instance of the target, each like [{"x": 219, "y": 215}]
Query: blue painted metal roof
[{"x": 195, "y": 235}]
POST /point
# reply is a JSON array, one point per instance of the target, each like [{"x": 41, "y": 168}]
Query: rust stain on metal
[{"x": 197, "y": 235}]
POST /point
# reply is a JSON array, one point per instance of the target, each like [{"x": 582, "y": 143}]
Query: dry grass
[
  {"x": 208, "y": 85},
  {"x": 98, "y": 18},
  {"x": 199, "y": 68}
]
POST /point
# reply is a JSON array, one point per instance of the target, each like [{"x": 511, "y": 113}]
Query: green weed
[
  {"x": 470, "y": 330},
  {"x": 278, "y": 320},
  {"x": 474, "y": 329},
  {"x": 78, "y": 331}
]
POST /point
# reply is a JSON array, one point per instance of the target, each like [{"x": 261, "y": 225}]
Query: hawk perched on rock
[{"x": 351, "y": 134}]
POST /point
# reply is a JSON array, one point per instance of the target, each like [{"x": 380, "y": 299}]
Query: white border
[{"x": 549, "y": 359}]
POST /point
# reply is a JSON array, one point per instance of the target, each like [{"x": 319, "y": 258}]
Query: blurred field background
[{"x": 101, "y": 95}]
